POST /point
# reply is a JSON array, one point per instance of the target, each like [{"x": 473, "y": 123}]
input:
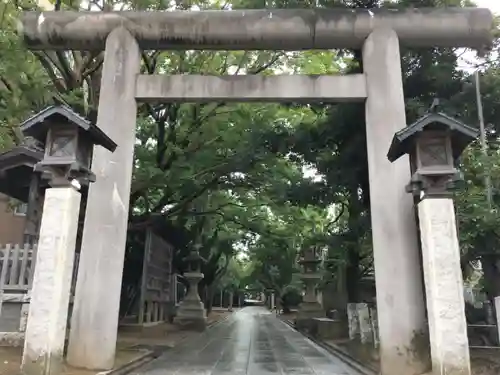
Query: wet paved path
[{"x": 251, "y": 342}]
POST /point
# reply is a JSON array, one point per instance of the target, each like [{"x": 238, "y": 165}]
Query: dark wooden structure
[
  {"x": 157, "y": 297},
  {"x": 18, "y": 181}
]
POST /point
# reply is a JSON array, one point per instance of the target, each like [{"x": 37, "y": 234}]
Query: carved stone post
[
  {"x": 353, "y": 321},
  {"x": 48, "y": 310},
  {"x": 373, "y": 315},
  {"x": 443, "y": 283},
  {"x": 497, "y": 316},
  {"x": 365, "y": 325}
]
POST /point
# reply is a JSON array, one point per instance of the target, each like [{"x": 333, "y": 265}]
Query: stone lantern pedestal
[
  {"x": 310, "y": 308},
  {"x": 69, "y": 140},
  {"x": 434, "y": 143},
  {"x": 191, "y": 313}
]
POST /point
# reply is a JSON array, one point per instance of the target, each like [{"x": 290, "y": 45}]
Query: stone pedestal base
[
  {"x": 330, "y": 329},
  {"x": 444, "y": 287},
  {"x": 191, "y": 315},
  {"x": 306, "y": 314},
  {"x": 48, "y": 309}
]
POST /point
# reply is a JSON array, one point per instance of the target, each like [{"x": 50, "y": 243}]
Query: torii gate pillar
[
  {"x": 404, "y": 346},
  {"x": 94, "y": 321}
]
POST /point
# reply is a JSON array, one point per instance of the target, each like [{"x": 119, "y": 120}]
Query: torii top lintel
[{"x": 280, "y": 29}]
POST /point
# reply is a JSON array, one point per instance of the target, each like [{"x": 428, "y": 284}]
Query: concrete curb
[
  {"x": 151, "y": 355},
  {"x": 132, "y": 365},
  {"x": 338, "y": 352}
]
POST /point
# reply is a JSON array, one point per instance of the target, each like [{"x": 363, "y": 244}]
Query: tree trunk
[
  {"x": 340, "y": 291},
  {"x": 491, "y": 269},
  {"x": 209, "y": 292},
  {"x": 352, "y": 274}
]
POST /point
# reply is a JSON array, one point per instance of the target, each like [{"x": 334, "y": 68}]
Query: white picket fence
[{"x": 17, "y": 269}]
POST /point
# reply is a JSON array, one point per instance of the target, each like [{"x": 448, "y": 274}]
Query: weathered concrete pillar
[
  {"x": 400, "y": 302},
  {"x": 48, "y": 310},
  {"x": 444, "y": 287},
  {"x": 94, "y": 321}
]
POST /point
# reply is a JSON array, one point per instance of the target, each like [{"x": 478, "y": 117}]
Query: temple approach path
[{"x": 251, "y": 341}]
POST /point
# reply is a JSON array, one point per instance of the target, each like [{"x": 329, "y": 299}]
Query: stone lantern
[
  {"x": 310, "y": 308},
  {"x": 191, "y": 309},
  {"x": 434, "y": 143},
  {"x": 68, "y": 141}
]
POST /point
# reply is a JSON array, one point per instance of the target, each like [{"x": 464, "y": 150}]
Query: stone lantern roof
[
  {"x": 37, "y": 125},
  {"x": 461, "y": 134}
]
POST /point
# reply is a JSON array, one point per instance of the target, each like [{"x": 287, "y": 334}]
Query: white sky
[{"x": 494, "y": 5}]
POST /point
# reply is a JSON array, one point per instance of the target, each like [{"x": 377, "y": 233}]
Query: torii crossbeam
[{"x": 279, "y": 29}]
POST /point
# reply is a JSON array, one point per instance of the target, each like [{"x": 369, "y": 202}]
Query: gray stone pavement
[{"x": 251, "y": 341}]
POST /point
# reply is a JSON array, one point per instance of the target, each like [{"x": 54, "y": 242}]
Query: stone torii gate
[{"x": 401, "y": 308}]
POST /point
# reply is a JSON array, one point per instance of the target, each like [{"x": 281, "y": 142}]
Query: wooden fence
[
  {"x": 17, "y": 266},
  {"x": 157, "y": 297}
]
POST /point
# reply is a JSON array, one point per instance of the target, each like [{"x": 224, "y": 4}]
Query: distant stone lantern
[
  {"x": 434, "y": 143},
  {"x": 310, "y": 308},
  {"x": 191, "y": 310},
  {"x": 69, "y": 140}
]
